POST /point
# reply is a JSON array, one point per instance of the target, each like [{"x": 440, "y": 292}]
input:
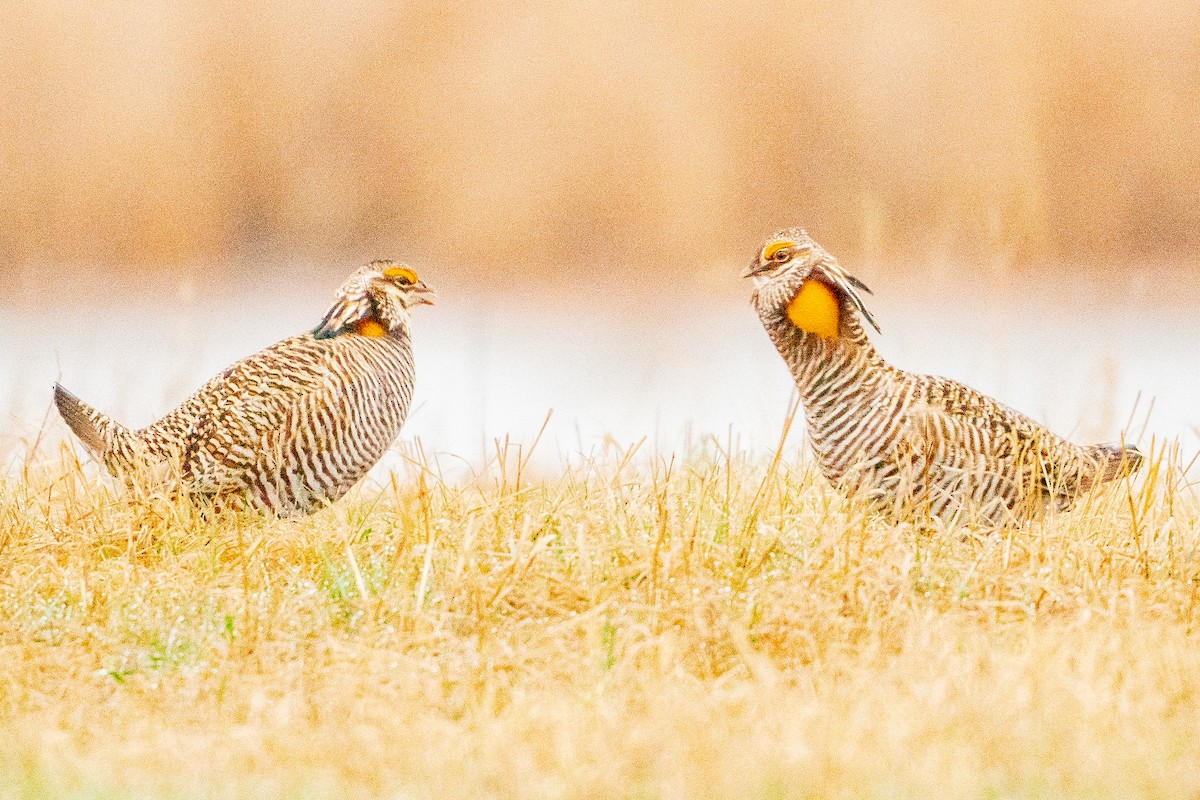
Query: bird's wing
[
  {"x": 958, "y": 429},
  {"x": 236, "y": 414}
]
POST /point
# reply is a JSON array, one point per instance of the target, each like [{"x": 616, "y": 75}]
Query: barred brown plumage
[
  {"x": 915, "y": 444},
  {"x": 292, "y": 426}
]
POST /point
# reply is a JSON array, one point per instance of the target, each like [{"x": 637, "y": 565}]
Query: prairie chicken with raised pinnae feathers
[
  {"x": 292, "y": 426},
  {"x": 916, "y": 444}
]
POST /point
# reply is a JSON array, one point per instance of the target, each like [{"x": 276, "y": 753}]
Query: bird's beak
[
  {"x": 757, "y": 267},
  {"x": 422, "y": 294}
]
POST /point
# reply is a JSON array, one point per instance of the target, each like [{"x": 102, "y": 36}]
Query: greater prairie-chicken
[
  {"x": 916, "y": 444},
  {"x": 292, "y": 426}
]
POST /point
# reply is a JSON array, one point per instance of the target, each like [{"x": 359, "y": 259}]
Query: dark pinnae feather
[{"x": 859, "y": 284}]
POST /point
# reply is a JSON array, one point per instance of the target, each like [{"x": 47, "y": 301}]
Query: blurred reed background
[{"x": 546, "y": 141}]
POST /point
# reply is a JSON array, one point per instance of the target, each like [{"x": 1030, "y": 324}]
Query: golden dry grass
[{"x": 708, "y": 626}]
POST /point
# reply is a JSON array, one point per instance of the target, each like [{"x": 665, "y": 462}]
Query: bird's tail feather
[
  {"x": 1115, "y": 460},
  {"x": 93, "y": 428}
]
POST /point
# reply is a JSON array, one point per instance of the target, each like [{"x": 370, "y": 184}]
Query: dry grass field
[
  {"x": 716, "y": 624},
  {"x": 181, "y": 184}
]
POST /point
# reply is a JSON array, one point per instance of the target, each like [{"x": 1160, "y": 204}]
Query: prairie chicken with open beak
[
  {"x": 916, "y": 444},
  {"x": 293, "y": 426}
]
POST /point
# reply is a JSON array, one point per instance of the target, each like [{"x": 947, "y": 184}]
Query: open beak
[
  {"x": 757, "y": 267},
  {"x": 422, "y": 294}
]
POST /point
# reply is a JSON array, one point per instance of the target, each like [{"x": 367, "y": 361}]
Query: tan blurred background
[{"x": 550, "y": 139}]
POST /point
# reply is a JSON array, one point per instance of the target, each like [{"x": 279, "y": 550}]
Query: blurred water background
[
  {"x": 182, "y": 184},
  {"x": 676, "y": 368}
]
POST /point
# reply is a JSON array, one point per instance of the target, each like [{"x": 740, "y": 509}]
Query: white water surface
[{"x": 671, "y": 371}]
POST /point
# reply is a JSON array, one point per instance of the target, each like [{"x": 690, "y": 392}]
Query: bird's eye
[{"x": 778, "y": 251}]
